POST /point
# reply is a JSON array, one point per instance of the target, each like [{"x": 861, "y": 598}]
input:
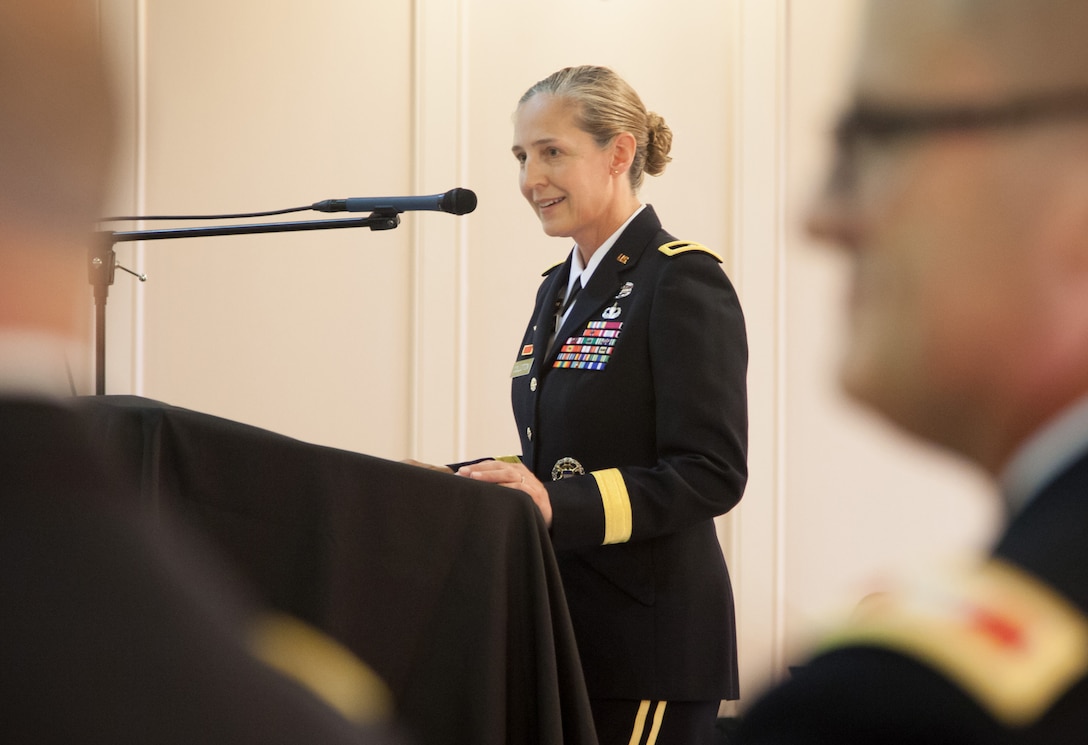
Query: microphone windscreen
[{"x": 459, "y": 201}]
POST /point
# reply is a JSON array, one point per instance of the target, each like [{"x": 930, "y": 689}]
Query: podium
[{"x": 447, "y": 588}]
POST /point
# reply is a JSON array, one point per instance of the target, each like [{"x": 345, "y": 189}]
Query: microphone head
[{"x": 458, "y": 201}]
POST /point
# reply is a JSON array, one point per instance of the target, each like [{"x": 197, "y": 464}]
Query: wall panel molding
[
  {"x": 755, "y": 543},
  {"x": 439, "y": 242}
]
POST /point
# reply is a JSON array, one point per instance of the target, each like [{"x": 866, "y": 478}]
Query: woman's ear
[{"x": 624, "y": 147}]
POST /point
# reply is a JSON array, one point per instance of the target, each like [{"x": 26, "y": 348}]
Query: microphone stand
[{"x": 103, "y": 259}]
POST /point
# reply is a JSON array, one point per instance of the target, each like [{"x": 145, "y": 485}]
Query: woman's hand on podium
[{"x": 515, "y": 476}]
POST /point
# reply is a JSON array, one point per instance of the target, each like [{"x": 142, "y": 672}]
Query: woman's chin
[{"x": 553, "y": 228}]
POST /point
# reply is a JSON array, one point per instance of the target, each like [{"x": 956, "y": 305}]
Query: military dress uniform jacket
[
  {"x": 636, "y": 422},
  {"x": 996, "y": 655}
]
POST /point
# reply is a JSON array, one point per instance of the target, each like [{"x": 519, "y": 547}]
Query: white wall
[
  {"x": 399, "y": 343},
  {"x": 252, "y": 106}
]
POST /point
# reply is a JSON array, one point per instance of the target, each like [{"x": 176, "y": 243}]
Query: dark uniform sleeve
[
  {"x": 692, "y": 465},
  {"x": 866, "y": 695}
]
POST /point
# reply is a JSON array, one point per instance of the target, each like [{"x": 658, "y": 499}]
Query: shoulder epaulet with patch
[
  {"x": 675, "y": 248},
  {"x": 322, "y": 665},
  {"x": 1009, "y": 641}
]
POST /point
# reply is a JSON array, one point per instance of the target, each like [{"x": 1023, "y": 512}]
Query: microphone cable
[{"x": 240, "y": 216}]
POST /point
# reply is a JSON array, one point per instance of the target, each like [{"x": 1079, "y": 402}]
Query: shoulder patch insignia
[
  {"x": 674, "y": 248},
  {"x": 1009, "y": 641}
]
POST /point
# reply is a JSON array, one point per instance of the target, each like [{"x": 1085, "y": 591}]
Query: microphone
[{"x": 455, "y": 201}]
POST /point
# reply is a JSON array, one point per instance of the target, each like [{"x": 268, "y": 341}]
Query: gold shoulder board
[
  {"x": 322, "y": 665},
  {"x": 675, "y": 248},
  {"x": 1008, "y": 640}
]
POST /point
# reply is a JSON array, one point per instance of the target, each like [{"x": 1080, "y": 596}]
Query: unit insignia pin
[{"x": 564, "y": 468}]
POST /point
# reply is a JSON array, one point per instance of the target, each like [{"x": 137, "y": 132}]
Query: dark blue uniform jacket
[{"x": 636, "y": 421}]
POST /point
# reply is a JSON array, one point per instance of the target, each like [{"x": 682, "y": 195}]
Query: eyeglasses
[
  {"x": 896, "y": 123},
  {"x": 876, "y": 125}
]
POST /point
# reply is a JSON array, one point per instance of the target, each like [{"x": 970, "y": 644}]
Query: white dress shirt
[{"x": 1045, "y": 455}]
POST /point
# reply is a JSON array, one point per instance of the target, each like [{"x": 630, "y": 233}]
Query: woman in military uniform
[{"x": 630, "y": 399}]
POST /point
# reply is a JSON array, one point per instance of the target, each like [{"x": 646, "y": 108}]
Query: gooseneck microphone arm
[
  {"x": 376, "y": 221},
  {"x": 385, "y": 215}
]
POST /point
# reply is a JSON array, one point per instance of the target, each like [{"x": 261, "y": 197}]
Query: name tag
[{"x": 521, "y": 367}]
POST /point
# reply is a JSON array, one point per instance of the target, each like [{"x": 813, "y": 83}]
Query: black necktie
[
  {"x": 570, "y": 298},
  {"x": 561, "y": 310}
]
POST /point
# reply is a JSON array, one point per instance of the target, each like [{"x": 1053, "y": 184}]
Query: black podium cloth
[{"x": 448, "y": 588}]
